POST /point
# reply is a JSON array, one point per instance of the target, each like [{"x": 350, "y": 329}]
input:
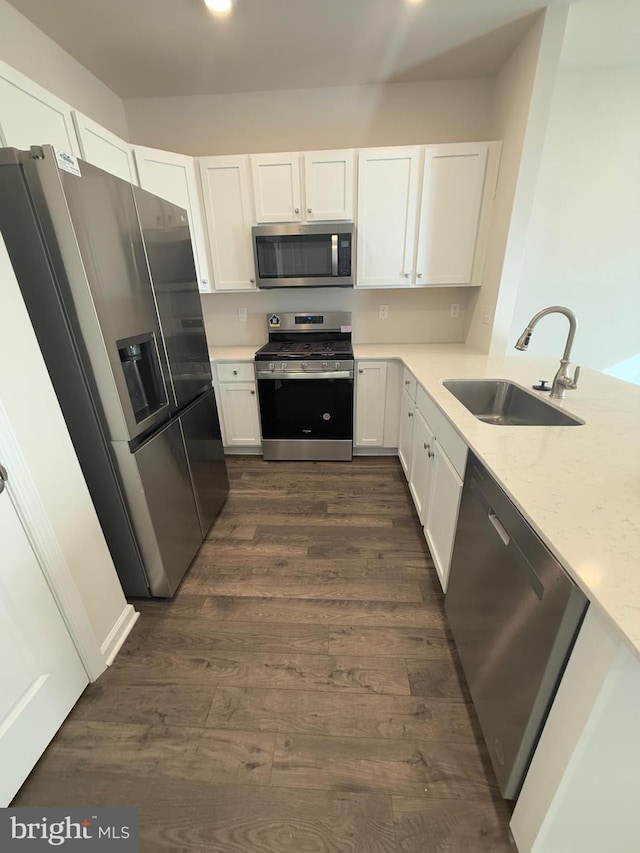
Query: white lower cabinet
[
  {"x": 238, "y": 404},
  {"x": 371, "y": 390},
  {"x": 441, "y": 516},
  {"x": 377, "y": 399},
  {"x": 421, "y": 470},
  {"x": 434, "y": 457}
]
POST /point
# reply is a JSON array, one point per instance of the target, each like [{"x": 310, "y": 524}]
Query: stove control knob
[
  {"x": 284, "y": 365},
  {"x": 336, "y": 365},
  {"x": 304, "y": 365},
  {"x": 272, "y": 366},
  {"x": 324, "y": 365}
]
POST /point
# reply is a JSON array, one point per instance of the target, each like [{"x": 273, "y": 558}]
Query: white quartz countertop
[
  {"x": 244, "y": 352},
  {"x": 578, "y": 486}
]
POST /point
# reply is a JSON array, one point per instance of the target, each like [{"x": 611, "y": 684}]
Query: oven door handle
[{"x": 285, "y": 374}]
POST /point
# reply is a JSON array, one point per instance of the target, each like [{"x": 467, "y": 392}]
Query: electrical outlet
[
  {"x": 242, "y": 315},
  {"x": 454, "y": 309},
  {"x": 486, "y": 315},
  {"x": 383, "y": 312}
]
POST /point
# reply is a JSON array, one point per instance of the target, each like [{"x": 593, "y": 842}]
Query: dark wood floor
[{"x": 300, "y": 694}]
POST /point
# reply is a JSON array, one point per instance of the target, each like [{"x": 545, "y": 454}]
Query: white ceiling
[{"x": 148, "y": 48}]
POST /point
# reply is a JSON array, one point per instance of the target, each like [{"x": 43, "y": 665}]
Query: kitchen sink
[{"x": 503, "y": 403}]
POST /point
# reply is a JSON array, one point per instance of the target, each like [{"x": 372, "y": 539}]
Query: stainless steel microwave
[{"x": 292, "y": 255}]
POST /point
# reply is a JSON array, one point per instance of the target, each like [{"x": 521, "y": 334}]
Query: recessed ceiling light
[{"x": 220, "y": 7}]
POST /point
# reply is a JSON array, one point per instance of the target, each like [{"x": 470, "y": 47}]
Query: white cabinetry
[
  {"x": 434, "y": 457},
  {"x": 325, "y": 195},
  {"x": 371, "y": 390},
  {"x": 423, "y": 214},
  {"x": 388, "y": 183},
  {"x": 405, "y": 427},
  {"x": 442, "y": 516},
  {"x": 30, "y": 115},
  {"x": 421, "y": 471},
  {"x": 104, "y": 149},
  {"x": 276, "y": 187},
  {"x": 442, "y": 456},
  {"x": 377, "y": 404},
  {"x": 452, "y": 189},
  {"x": 329, "y": 185},
  {"x": 173, "y": 176},
  {"x": 229, "y": 217},
  {"x": 238, "y": 403}
]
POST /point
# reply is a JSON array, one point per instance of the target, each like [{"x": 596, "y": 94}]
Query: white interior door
[{"x": 41, "y": 675}]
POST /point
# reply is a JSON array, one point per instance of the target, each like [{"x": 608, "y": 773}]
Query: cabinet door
[
  {"x": 240, "y": 414},
  {"x": 405, "y": 432},
  {"x": 276, "y": 187},
  {"x": 104, "y": 149},
  {"x": 371, "y": 384},
  {"x": 421, "y": 471},
  {"x": 29, "y": 115},
  {"x": 452, "y": 189},
  {"x": 329, "y": 181},
  {"x": 229, "y": 217},
  {"x": 173, "y": 176},
  {"x": 387, "y": 207},
  {"x": 442, "y": 514}
]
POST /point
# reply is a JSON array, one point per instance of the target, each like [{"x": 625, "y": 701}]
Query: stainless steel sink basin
[{"x": 503, "y": 403}]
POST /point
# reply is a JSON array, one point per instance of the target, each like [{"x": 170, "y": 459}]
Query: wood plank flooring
[{"x": 300, "y": 693}]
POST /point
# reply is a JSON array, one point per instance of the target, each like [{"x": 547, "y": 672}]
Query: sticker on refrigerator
[{"x": 67, "y": 162}]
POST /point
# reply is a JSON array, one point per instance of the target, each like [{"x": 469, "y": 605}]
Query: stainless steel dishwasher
[{"x": 514, "y": 614}]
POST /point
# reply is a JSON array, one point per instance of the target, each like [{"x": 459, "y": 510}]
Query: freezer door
[
  {"x": 171, "y": 539},
  {"x": 118, "y": 305},
  {"x": 203, "y": 441},
  {"x": 165, "y": 228}
]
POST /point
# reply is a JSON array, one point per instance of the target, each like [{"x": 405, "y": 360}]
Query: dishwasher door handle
[{"x": 502, "y": 533}]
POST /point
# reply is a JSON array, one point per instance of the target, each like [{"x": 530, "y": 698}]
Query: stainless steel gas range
[{"x": 305, "y": 387}]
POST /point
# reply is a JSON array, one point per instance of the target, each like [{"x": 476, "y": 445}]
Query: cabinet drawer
[
  {"x": 409, "y": 384},
  {"x": 445, "y": 433},
  {"x": 240, "y": 371}
]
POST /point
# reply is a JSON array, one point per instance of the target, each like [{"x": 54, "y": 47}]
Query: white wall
[
  {"x": 306, "y": 119},
  {"x": 415, "y": 316},
  {"x": 583, "y": 246},
  {"x": 522, "y": 98},
  {"x": 32, "y": 407},
  {"x": 30, "y": 51}
]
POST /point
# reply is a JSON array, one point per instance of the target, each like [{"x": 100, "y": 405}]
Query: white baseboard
[
  {"x": 118, "y": 634},
  {"x": 243, "y": 451}
]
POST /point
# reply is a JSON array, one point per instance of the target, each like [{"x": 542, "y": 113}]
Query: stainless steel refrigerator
[{"x": 107, "y": 274}]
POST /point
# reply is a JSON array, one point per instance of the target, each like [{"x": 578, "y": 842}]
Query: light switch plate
[{"x": 383, "y": 312}]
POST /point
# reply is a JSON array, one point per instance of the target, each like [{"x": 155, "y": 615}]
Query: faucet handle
[{"x": 576, "y": 375}]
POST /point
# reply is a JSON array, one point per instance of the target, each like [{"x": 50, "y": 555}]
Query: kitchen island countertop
[{"x": 578, "y": 486}]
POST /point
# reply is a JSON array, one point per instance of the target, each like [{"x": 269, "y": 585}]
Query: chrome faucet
[{"x": 561, "y": 381}]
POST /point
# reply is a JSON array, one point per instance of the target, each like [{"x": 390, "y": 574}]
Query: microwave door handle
[{"x": 334, "y": 255}]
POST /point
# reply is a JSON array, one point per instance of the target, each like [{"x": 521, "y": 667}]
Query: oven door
[{"x": 306, "y": 416}]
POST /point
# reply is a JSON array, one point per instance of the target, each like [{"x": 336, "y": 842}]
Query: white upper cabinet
[
  {"x": 388, "y": 184},
  {"x": 276, "y": 187},
  {"x": 329, "y": 183},
  {"x": 452, "y": 190},
  {"x": 104, "y": 149},
  {"x": 229, "y": 217},
  {"x": 30, "y": 115},
  {"x": 173, "y": 177},
  {"x": 423, "y": 214}
]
